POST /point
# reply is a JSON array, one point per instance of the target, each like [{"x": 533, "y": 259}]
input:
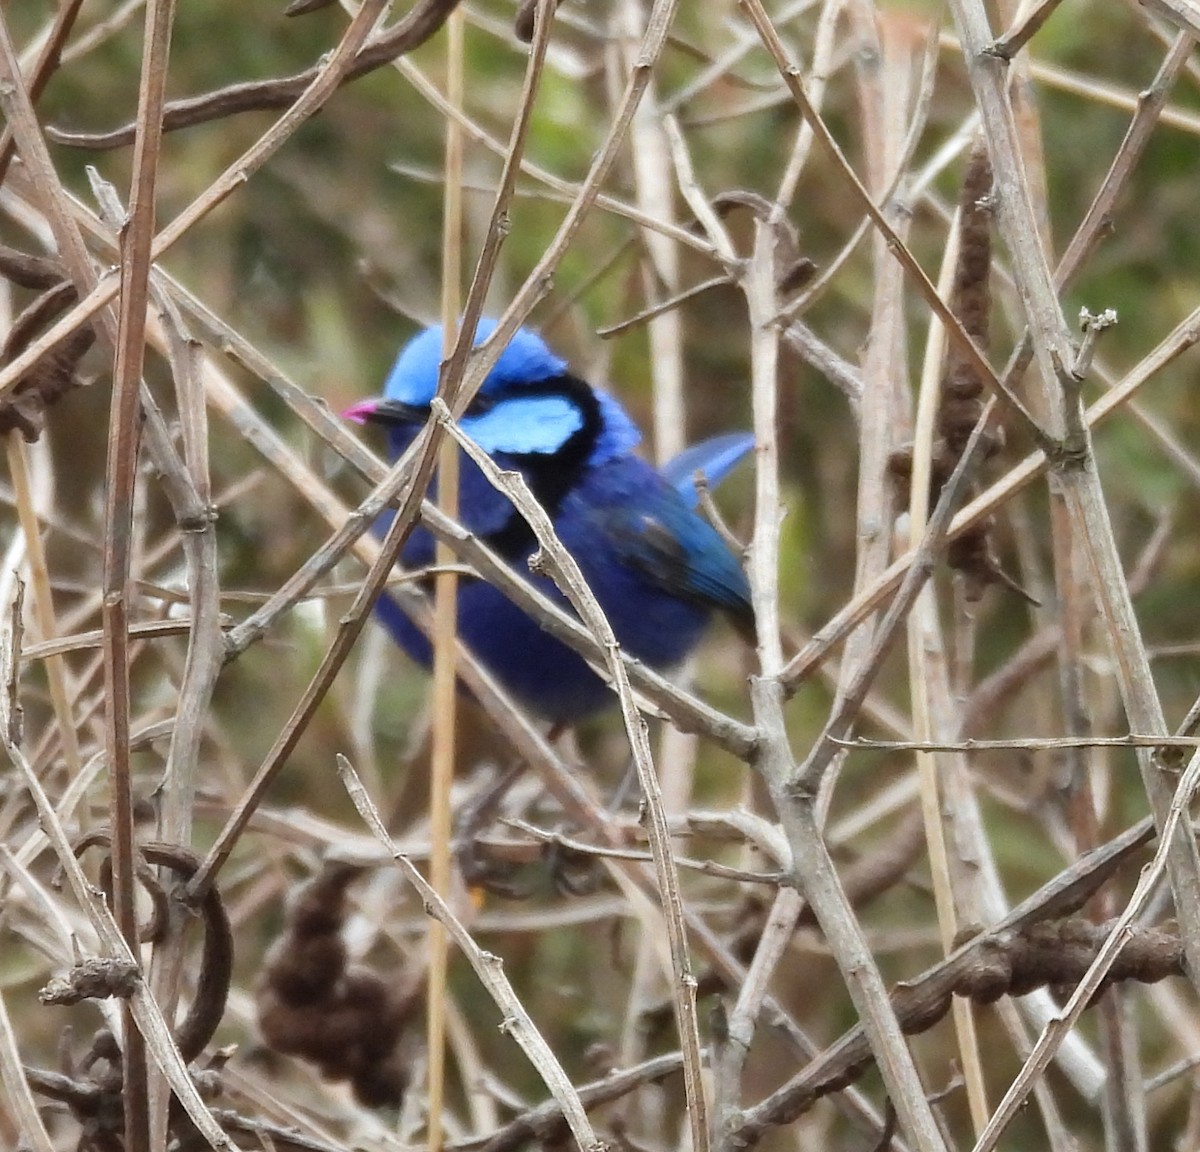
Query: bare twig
[
  {"x": 1183, "y": 336},
  {"x": 795, "y": 792},
  {"x": 928, "y": 681},
  {"x": 121, "y": 471},
  {"x": 1030, "y": 23},
  {"x": 418, "y": 26},
  {"x": 1117, "y": 935},
  {"x": 1080, "y": 484},
  {"x": 323, "y": 85},
  {"x": 567, "y": 575},
  {"x": 45, "y": 66},
  {"x": 1063, "y": 895},
  {"x": 489, "y": 969},
  {"x": 445, "y": 606},
  {"x": 962, "y": 341},
  {"x": 147, "y": 1016}
]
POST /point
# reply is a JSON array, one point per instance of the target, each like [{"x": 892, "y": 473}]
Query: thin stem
[
  {"x": 43, "y": 600},
  {"x": 488, "y": 968},
  {"x": 121, "y": 476},
  {"x": 566, "y": 573},
  {"x": 1075, "y": 472},
  {"x": 962, "y": 341},
  {"x": 445, "y": 619},
  {"x": 925, "y": 648}
]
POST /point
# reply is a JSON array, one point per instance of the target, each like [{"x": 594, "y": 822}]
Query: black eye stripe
[
  {"x": 482, "y": 404},
  {"x": 575, "y": 391}
]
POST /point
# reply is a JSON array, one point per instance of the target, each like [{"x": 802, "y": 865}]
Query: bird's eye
[{"x": 480, "y": 405}]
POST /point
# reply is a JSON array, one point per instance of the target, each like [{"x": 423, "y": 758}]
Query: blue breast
[{"x": 544, "y": 675}]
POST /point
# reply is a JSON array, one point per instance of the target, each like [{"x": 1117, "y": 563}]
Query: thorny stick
[
  {"x": 203, "y": 660},
  {"x": 883, "y": 412}
]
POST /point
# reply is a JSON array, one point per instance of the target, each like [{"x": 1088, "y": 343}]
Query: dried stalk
[
  {"x": 566, "y": 574},
  {"x": 445, "y": 605},
  {"x": 1073, "y": 467},
  {"x": 929, "y": 690},
  {"x": 43, "y": 600},
  {"x": 810, "y": 859},
  {"x": 121, "y": 473},
  {"x": 489, "y": 969}
]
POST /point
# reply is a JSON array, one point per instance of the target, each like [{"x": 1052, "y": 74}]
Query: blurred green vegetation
[{"x": 329, "y": 259}]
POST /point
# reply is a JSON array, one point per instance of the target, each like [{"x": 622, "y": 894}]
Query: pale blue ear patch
[{"x": 522, "y": 425}]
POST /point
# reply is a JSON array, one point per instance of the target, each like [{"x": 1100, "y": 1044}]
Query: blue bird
[{"x": 656, "y": 567}]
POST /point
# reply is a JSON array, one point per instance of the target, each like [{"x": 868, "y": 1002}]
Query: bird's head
[{"x": 529, "y": 404}]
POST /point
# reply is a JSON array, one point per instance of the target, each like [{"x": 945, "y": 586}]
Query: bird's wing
[
  {"x": 715, "y": 458},
  {"x": 666, "y": 542}
]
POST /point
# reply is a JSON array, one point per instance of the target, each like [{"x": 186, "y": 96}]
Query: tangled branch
[
  {"x": 55, "y": 374},
  {"x": 94, "y": 1091},
  {"x": 422, "y": 22},
  {"x": 1054, "y": 955}
]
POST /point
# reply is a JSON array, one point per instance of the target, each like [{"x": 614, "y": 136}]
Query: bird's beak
[{"x": 386, "y": 412}]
